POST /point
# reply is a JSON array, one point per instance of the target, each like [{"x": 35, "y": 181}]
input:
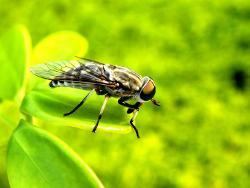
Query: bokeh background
[{"x": 198, "y": 53}]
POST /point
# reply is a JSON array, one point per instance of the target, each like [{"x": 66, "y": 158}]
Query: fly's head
[{"x": 147, "y": 91}]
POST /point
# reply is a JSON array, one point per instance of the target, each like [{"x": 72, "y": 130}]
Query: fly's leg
[
  {"x": 131, "y": 108},
  {"x": 136, "y": 106},
  {"x": 122, "y": 102},
  {"x": 80, "y": 104},
  {"x": 101, "y": 112},
  {"x": 132, "y": 124}
]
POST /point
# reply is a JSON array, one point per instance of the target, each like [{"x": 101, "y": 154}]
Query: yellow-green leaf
[
  {"x": 15, "y": 47},
  {"x": 50, "y": 105},
  {"x": 62, "y": 45}
]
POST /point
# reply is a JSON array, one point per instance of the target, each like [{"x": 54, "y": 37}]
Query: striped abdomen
[
  {"x": 63, "y": 83},
  {"x": 58, "y": 83}
]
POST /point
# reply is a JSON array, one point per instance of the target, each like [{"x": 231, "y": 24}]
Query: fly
[{"x": 104, "y": 79}]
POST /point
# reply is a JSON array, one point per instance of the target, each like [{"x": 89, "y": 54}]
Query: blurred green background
[{"x": 198, "y": 53}]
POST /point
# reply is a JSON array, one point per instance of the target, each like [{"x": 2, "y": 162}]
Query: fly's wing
[{"x": 83, "y": 73}]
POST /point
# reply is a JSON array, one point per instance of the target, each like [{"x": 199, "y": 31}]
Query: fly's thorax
[
  {"x": 108, "y": 71},
  {"x": 147, "y": 90},
  {"x": 126, "y": 77},
  {"x": 119, "y": 92}
]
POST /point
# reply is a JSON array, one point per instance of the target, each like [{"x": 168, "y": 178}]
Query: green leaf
[
  {"x": 3, "y": 169},
  {"x": 38, "y": 159},
  {"x": 63, "y": 45},
  {"x": 9, "y": 118},
  {"x": 15, "y": 46},
  {"x": 50, "y": 105}
]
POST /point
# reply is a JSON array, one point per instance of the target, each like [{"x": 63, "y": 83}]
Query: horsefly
[{"x": 104, "y": 79}]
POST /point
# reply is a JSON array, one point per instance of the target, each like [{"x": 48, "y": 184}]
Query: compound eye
[{"x": 148, "y": 91}]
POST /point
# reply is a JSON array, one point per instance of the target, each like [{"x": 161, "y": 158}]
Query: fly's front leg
[
  {"x": 132, "y": 123},
  {"x": 136, "y": 106},
  {"x": 122, "y": 102},
  {"x": 80, "y": 104},
  {"x": 101, "y": 112},
  {"x": 131, "y": 108}
]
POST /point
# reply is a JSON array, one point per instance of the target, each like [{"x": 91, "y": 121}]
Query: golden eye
[{"x": 148, "y": 91}]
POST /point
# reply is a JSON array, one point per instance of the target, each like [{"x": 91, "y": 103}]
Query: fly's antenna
[{"x": 155, "y": 102}]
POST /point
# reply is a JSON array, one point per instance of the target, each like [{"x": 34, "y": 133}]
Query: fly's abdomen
[
  {"x": 65, "y": 83},
  {"x": 59, "y": 83}
]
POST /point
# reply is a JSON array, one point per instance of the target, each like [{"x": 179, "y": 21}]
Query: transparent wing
[
  {"x": 81, "y": 71},
  {"x": 52, "y": 70}
]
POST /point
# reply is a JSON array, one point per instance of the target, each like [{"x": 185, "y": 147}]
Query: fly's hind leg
[
  {"x": 80, "y": 104},
  {"x": 132, "y": 123},
  {"x": 101, "y": 112}
]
